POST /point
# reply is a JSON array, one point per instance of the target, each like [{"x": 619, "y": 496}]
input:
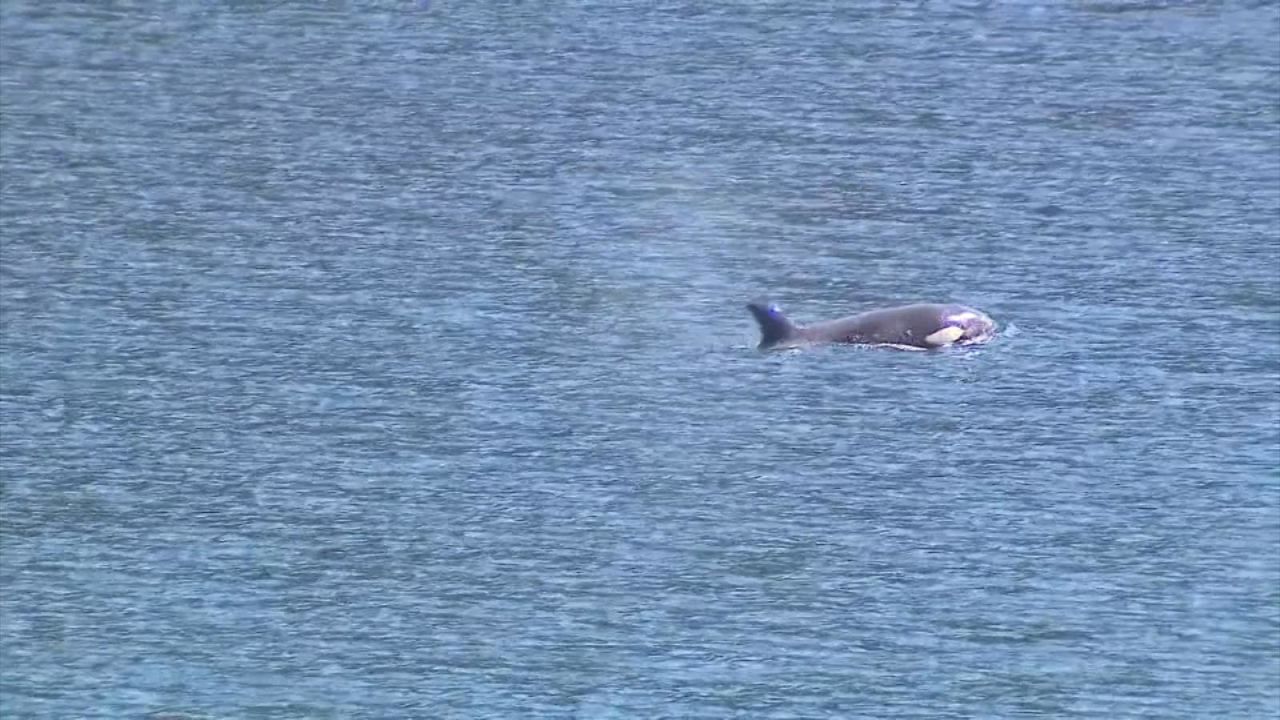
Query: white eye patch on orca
[{"x": 945, "y": 336}]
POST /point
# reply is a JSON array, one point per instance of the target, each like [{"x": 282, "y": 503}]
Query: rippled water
[{"x": 391, "y": 360}]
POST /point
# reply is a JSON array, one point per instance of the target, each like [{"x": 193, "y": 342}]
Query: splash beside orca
[{"x": 924, "y": 326}]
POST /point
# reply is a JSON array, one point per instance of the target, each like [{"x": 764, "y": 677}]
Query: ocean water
[{"x": 391, "y": 360}]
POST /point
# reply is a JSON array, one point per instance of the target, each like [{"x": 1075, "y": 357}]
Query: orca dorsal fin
[{"x": 775, "y": 328}]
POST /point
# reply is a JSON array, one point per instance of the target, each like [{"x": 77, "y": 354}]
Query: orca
[{"x": 923, "y": 326}]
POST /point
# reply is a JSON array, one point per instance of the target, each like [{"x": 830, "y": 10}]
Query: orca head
[{"x": 978, "y": 327}]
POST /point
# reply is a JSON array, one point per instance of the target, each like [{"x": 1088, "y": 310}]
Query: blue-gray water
[{"x": 391, "y": 360}]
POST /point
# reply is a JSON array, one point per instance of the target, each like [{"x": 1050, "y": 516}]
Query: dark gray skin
[{"x": 925, "y": 326}]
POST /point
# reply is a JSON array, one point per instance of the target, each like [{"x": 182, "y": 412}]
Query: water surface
[{"x": 391, "y": 360}]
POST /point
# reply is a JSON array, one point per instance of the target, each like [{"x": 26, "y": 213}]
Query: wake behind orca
[{"x": 923, "y": 326}]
